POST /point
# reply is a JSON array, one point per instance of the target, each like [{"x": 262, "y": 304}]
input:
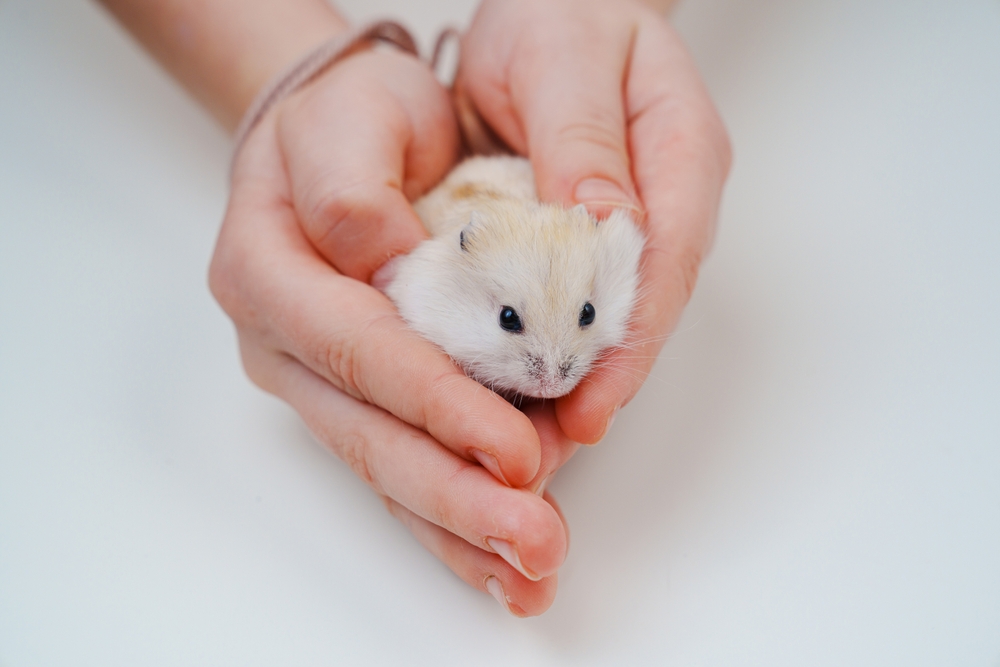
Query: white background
[{"x": 810, "y": 477}]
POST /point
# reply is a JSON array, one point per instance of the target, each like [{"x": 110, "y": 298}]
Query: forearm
[{"x": 224, "y": 51}]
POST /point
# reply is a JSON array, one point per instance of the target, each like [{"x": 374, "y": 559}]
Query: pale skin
[{"x": 604, "y": 100}]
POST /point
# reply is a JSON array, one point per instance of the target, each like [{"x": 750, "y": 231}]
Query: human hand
[
  {"x": 320, "y": 199},
  {"x": 605, "y": 101}
]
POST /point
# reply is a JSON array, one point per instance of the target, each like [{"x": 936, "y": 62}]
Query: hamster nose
[{"x": 536, "y": 366}]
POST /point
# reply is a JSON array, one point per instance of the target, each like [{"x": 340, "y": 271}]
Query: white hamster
[{"x": 524, "y": 296}]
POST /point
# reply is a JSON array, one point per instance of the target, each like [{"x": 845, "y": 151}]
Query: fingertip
[
  {"x": 466, "y": 417},
  {"x": 586, "y": 414},
  {"x": 541, "y": 542},
  {"x": 585, "y": 172},
  {"x": 519, "y": 465},
  {"x": 582, "y": 418},
  {"x": 524, "y": 600},
  {"x": 488, "y": 572},
  {"x": 509, "y": 444},
  {"x": 491, "y": 464}
]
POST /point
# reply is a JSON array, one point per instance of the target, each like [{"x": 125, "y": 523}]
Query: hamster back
[{"x": 524, "y": 296}]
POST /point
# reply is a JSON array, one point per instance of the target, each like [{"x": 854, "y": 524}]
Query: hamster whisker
[
  {"x": 637, "y": 374},
  {"x": 622, "y": 395},
  {"x": 495, "y": 247},
  {"x": 645, "y": 341},
  {"x": 624, "y": 365}
]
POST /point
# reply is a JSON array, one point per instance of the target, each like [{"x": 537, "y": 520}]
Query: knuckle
[
  {"x": 253, "y": 369},
  {"x": 438, "y": 400},
  {"x": 218, "y": 282},
  {"x": 328, "y": 212},
  {"x": 545, "y": 595},
  {"x": 346, "y": 357},
  {"x": 355, "y": 450},
  {"x": 221, "y": 281},
  {"x": 440, "y": 505},
  {"x": 599, "y": 129},
  {"x": 688, "y": 266},
  {"x": 339, "y": 214},
  {"x": 232, "y": 276},
  {"x": 255, "y": 360},
  {"x": 342, "y": 357},
  {"x": 725, "y": 150},
  {"x": 228, "y": 283}
]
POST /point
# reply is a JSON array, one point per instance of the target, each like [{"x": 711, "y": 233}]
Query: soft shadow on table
[
  {"x": 625, "y": 498},
  {"x": 660, "y": 468}
]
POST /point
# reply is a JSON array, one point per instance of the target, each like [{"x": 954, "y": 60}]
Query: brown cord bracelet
[
  {"x": 477, "y": 137},
  {"x": 315, "y": 63}
]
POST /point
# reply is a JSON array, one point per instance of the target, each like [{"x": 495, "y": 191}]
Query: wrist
[
  {"x": 255, "y": 68},
  {"x": 313, "y": 64},
  {"x": 224, "y": 51}
]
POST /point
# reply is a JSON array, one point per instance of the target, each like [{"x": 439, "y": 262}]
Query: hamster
[{"x": 524, "y": 296}]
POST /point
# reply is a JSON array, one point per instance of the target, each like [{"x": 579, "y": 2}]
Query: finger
[
  {"x": 408, "y": 466},
  {"x": 550, "y": 499},
  {"x": 556, "y": 448},
  {"x": 272, "y": 282},
  {"x": 372, "y": 134},
  {"x": 682, "y": 158},
  {"x": 565, "y": 88},
  {"x": 480, "y": 569}
]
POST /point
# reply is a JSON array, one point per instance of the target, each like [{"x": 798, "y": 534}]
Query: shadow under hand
[{"x": 636, "y": 500}]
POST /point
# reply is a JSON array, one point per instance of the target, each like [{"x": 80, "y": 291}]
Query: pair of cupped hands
[{"x": 607, "y": 104}]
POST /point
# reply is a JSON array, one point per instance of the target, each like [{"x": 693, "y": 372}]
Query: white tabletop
[{"x": 810, "y": 477}]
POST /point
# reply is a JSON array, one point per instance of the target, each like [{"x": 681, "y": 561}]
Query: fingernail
[
  {"x": 507, "y": 551},
  {"x": 490, "y": 462},
  {"x": 601, "y": 191},
  {"x": 545, "y": 482},
  {"x": 495, "y": 588}
]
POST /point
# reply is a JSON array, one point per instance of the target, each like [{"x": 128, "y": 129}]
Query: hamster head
[{"x": 524, "y": 296}]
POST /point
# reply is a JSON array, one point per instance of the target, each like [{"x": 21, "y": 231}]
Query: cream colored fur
[{"x": 495, "y": 245}]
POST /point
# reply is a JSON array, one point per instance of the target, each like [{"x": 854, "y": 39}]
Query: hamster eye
[
  {"x": 587, "y": 315},
  {"x": 509, "y": 319}
]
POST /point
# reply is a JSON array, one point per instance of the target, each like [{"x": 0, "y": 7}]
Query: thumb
[
  {"x": 358, "y": 146},
  {"x": 573, "y": 115}
]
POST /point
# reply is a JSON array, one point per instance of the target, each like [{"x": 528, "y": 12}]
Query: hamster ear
[
  {"x": 621, "y": 240},
  {"x": 475, "y": 220}
]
